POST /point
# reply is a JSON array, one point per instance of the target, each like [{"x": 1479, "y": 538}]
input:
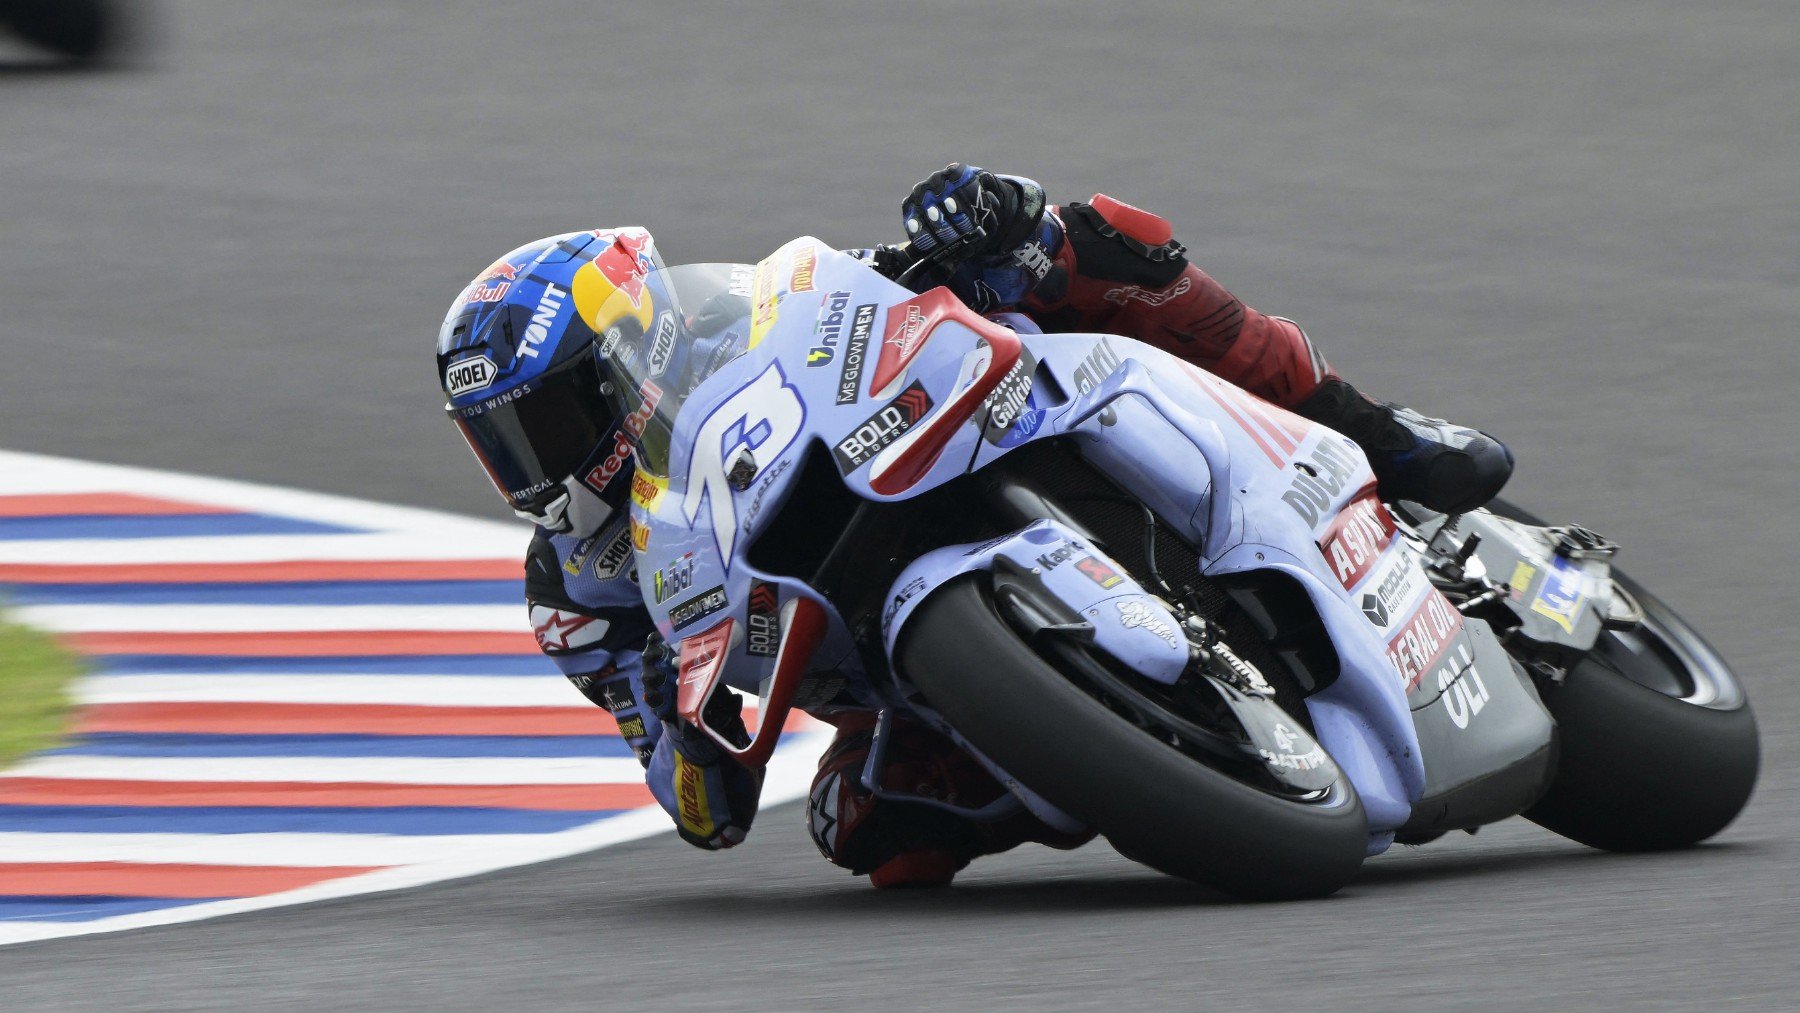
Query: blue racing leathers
[{"x": 589, "y": 617}]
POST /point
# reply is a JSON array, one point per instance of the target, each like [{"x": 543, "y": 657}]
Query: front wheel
[{"x": 1156, "y": 804}]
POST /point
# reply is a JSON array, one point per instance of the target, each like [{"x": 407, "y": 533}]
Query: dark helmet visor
[{"x": 532, "y": 437}]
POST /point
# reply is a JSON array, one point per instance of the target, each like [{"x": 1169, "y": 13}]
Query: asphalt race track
[{"x": 1572, "y": 224}]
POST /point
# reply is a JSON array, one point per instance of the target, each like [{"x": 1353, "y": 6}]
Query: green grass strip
[{"x": 35, "y": 675}]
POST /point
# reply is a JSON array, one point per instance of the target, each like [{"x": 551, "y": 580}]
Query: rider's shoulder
[{"x": 591, "y": 571}]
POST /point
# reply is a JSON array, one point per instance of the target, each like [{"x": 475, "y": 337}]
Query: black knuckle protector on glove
[{"x": 964, "y": 212}]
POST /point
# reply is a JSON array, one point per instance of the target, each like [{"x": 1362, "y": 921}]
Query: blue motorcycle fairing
[
  {"x": 1126, "y": 622},
  {"x": 1362, "y": 718},
  {"x": 1162, "y": 451},
  {"x": 1255, "y": 487},
  {"x": 818, "y": 326},
  {"x": 1129, "y": 623}
]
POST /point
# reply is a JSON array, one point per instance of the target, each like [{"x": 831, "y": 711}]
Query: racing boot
[
  {"x": 1433, "y": 463},
  {"x": 908, "y": 844}
]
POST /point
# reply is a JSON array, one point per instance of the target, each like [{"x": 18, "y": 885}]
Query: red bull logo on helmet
[
  {"x": 484, "y": 292},
  {"x": 500, "y": 270},
  {"x": 625, "y": 439},
  {"x": 610, "y": 288},
  {"x": 626, "y": 263}
]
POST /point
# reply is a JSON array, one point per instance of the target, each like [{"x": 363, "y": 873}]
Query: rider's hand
[
  {"x": 711, "y": 797},
  {"x": 964, "y": 212},
  {"x": 659, "y": 676}
]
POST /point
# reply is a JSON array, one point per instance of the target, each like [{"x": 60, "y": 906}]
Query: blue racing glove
[
  {"x": 711, "y": 797},
  {"x": 989, "y": 231}
]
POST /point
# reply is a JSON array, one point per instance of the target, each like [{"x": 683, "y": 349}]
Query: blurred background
[{"x": 225, "y": 248}]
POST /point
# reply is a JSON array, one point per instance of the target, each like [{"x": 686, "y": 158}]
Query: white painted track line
[
  {"x": 328, "y": 769},
  {"x": 402, "y": 690},
  {"x": 88, "y": 618},
  {"x": 382, "y": 533}
]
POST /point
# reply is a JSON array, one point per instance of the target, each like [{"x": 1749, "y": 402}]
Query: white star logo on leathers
[{"x": 559, "y": 630}]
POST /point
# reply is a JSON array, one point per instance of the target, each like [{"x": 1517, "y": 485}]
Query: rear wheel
[
  {"x": 1156, "y": 803},
  {"x": 1659, "y": 747}
]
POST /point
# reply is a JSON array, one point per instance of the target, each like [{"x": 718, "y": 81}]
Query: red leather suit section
[{"x": 1193, "y": 317}]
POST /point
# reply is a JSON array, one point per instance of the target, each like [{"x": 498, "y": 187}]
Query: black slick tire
[
  {"x": 1154, "y": 803},
  {"x": 1641, "y": 770}
]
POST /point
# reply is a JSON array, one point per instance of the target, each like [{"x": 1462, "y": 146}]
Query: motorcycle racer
[
  {"x": 1108, "y": 267},
  {"x": 517, "y": 356},
  {"x": 521, "y": 356}
]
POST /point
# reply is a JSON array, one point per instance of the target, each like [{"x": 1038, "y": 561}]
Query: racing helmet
[{"x": 518, "y": 358}]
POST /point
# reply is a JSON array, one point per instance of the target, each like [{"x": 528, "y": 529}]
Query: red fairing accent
[
  {"x": 1195, "y": 318},
  {"x": 800, "y": 637},
  {"x": 1138, "y": 224},
  {"x": 1357, "y": 537},
  {"x": 1277, "y": 432},
  {"x": 934, "y": 433},
  {"x": 702, "y": 661},
  {"x": 907, "y": 326}
]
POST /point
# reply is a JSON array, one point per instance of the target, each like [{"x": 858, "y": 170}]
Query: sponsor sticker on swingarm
[{"x": 1559, "y": 600}]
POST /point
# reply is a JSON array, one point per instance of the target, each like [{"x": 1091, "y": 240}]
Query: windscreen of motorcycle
[{"x": 661, "y": 332}]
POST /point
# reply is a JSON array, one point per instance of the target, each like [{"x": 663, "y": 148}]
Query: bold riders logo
[
  {"x": 762, "y": 621},
  {"x": 881, "y": 429}
]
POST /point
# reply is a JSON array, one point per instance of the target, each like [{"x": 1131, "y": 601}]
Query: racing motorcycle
[{"x": 1149, "y": 602}]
